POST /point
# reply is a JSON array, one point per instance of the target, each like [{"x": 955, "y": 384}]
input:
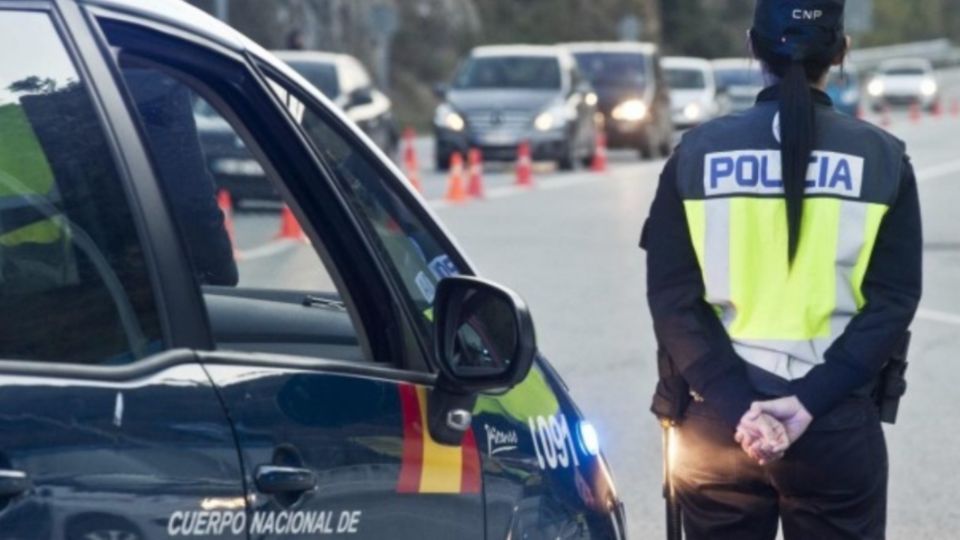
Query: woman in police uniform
[{"x": 784, "y": 266}]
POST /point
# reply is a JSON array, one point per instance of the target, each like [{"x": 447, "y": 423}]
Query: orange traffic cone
[
  {"x": 915, "y": 115},
  {"x": 524, "y": 165},
  {"x": 289, "y": 226},
  {"x": 955, "y": 107},
  {"x": 410, "y": 165},
  {"x": 225, "y": 203},
  {"x": 455, "y": 190},
  {"x": 599, "y": 163},
  {"x": 475, "y": 165}
]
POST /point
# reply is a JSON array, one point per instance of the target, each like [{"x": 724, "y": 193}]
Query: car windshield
[
  {"x": 842, "y": 79},
  {"x": 613, "y": 69},
  {"x": 686, "y": 79},
  {"x": 320, "y": 74},
  {"x": 739, "y": 77},
  {"x": 528, "y": 72},
  {"x": 914, "y": 71}
]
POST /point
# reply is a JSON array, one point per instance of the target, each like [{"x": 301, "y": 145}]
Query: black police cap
[{"x": 800, "y": 29}]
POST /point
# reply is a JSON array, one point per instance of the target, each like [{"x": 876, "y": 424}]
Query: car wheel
[
  {"x": 442, "y": 163},
  {"x": 646, "y": 149},
  {"x": 568, "y": 161},
  {"x": 666, "y": 144}
]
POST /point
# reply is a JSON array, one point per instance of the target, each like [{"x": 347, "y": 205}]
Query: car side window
[
  {"x": 74, "y": 281},
  {"x": 265, "y": 286},
  {"x": 412, "y": 250}
]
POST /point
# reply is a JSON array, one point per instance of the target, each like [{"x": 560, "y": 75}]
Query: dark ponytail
[
  {"x": 798, "y": 127},
  {"x": 797, "y": 140}
]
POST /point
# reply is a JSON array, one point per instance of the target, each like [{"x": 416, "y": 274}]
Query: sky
[{"x": 30, "y": 45}]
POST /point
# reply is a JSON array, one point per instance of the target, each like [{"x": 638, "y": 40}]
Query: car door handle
[
  {"x": 273, "y": 479},
  {"x": 13, "y": 483}
]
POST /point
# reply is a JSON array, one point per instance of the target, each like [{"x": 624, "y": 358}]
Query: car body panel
[
  {"x": 739, "y": 81},
  {"x": 844, "y": 89},
  {"x": 904, "y": 82},
  {"x": 653, "y": 133},
  {"x": 498, "y": 118},
  {"x": 374, "y": 118},
  {"x": 687, "y": 100},
  {"x": 115, "y": 456},
  {"x": 200, "y": 441}
]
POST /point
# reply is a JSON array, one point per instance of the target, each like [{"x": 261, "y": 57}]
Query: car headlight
[
  {"x": 591, "y": 99},
  {"x": 692, "y": 112},
  {"x": 632, "y": 110},
  {"x": 448, "y": 118},
  {"x": 545, "y": 121},
  {"x": 875, "y": 88},
  {"x": 928, "y": 87}
]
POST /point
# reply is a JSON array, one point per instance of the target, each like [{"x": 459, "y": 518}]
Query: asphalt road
[{"x": 570, "y": 247}]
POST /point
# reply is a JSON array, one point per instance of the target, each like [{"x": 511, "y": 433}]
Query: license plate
[{"x": 499, "y": 138}]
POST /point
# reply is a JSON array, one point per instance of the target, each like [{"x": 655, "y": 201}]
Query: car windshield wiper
[{"x": 324, "y": 303}]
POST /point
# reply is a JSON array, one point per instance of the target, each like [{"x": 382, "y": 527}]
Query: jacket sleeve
[
  {"x": 686, "y": 327},
  {"x": 891, "y": 288}
]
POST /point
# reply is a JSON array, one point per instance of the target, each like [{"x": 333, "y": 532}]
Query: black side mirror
[
  {"x": 360, "y": 97},
  {"x": 440, "y": 90},
  {"x": 484, "y": 341}
]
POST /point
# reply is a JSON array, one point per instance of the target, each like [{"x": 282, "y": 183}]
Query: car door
[
  {"x": 108, "y": 429},
  {"x": 324, "y": 376},
  {"x": 539, "y": 479}
]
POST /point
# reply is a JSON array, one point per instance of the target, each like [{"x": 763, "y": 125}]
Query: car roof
[
  {"x": 516, "y": 50},
  {"x": 906, "y": 62},
  {"x": 611, "y": 46},
  {"x": 180, "y": 14},
  {"x": 736, "y": 63},
  {"x": 323, "y": 57},
  {"x": 686, "y": 62}
]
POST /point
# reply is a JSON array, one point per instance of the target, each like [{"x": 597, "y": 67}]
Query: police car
[{"x": 159, "y": 380}]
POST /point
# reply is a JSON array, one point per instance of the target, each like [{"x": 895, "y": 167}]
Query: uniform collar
[{"x": 772, "y": 93}]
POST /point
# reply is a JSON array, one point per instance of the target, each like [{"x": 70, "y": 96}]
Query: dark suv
[
  {"x": 633, "y": 94},
  {"x": 504, "y": 95},
  {"x": 160, "y": 377}
]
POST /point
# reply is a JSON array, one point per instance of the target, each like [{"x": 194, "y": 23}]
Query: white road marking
[
  {"x": 267, "y": 250},
  {"x": 938, "y": 316},
  {"x": 938, "y": 171}
]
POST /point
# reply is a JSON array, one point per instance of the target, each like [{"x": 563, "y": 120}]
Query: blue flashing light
[{"x": 589, "y": 440}]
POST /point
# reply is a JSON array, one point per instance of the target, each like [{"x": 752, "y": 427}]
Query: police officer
[{"x": 784, "y": 265}]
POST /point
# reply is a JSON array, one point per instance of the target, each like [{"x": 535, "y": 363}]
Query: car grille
[{"x": 499, "y": 119}]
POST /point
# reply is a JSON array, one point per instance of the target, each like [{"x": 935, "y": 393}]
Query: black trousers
[{"x": 831, "y": 484}]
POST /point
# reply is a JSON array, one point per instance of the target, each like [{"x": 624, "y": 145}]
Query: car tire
[
  {"x": 666, "y": 144},
  {"x": 646, "y": 150},
  {"x": 568, "y": 161},
  {"x": 442, "y": 163}
]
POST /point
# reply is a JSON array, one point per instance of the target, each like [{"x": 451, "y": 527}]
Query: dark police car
[{"x": 151, "y": 386}]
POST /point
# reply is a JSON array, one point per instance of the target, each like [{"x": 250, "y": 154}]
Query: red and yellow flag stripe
[{"x": 430, "y": 467}]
